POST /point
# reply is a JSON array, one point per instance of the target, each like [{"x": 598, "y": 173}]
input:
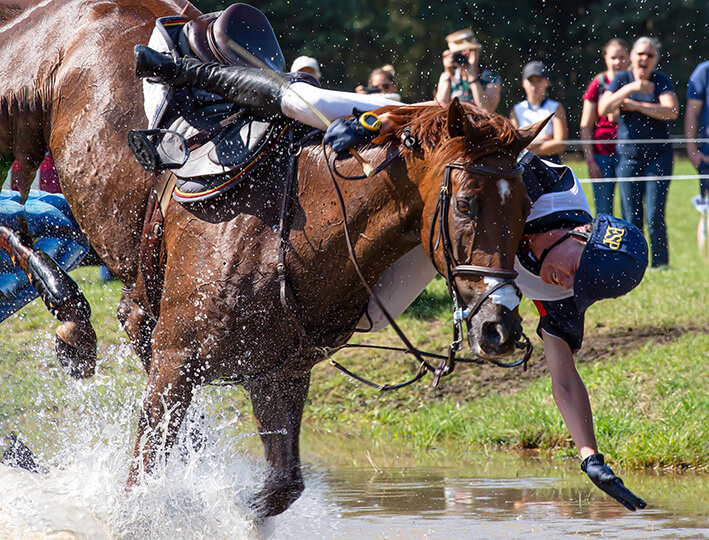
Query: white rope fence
[{"x": 681, "y": 141}]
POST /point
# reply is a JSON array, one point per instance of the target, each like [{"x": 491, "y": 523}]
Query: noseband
[{"x": 463, "y": 311}]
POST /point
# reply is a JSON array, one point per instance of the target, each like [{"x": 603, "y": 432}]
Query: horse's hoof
[
  {"x": 273, "y": 501},
  {"x": 18, "y": 455},
  {"x": 76, "y": 350}
]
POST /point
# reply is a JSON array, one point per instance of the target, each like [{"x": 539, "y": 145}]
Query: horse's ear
[
  {"x": 527, "y": 134},
  {"x": 457, "y": 123}
]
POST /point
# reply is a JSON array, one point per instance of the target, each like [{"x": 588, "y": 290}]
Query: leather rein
[{"x": 462, "y": 312}]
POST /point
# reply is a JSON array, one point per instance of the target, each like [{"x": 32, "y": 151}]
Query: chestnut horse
[{"x": 67, "y": 84}]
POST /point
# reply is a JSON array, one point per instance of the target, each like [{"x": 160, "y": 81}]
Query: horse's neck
[{"x": 383, "y": 212}]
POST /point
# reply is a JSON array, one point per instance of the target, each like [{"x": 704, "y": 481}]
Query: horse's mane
[{"x": 428, "y": 124}]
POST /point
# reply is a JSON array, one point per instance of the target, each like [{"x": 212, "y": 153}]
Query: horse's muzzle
[{"x": 494, "y": 331}]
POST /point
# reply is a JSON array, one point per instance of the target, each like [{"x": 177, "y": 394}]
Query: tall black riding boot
[
  {"x": 75, "y": 345},
  {"x": 251, "y": 88}
]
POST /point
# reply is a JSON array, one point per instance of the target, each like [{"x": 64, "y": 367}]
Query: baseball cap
[
  {"x": 613, "y": 262},
  {"x": 306, "y": 62},
  {"x": 462, "y": 40},
  {"x": 535, "y": 68}
]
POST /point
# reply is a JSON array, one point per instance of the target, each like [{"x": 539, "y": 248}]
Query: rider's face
[{"x": 561, "y": 263}]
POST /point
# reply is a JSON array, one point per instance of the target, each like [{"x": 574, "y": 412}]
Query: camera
[
  {"x": 460, "y": 59},
  {"x": 371, "y": 89}
]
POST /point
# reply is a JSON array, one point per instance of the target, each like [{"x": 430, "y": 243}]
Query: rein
[{"x": 462, "y": 311}]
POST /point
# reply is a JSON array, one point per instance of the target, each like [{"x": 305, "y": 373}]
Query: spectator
[
  {"x": 48, "y": 178},
  {"x": 381, "y": 81},
  {"x": 549, "y": 143},
  {"x": 307, "y": 64},
  {"x": 601, "y": 158},
  {"x": 462, "y": 75},
  {"x": 696, "y": 124},
  {"x": 646, "y": 101}
]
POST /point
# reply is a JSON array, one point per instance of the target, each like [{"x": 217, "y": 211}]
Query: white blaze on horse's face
[{"x": 503, "y": 186}]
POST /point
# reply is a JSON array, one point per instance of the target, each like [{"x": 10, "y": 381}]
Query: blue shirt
[
  {"x": 636, "y": 125},
  {"x": 697, "y": 89}
]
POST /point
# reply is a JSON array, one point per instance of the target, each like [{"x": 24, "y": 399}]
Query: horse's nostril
[{"x": 495, "y": 333}]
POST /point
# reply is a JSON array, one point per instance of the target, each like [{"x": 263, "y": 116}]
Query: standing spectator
[
  {"x": 381, "y": 81},
  {"x": 462, "y": 75},
  {"x": 647, "y": 102},
  {"x": 696, "y": 124},
  {"x": 601, "y": 158},
  {"x": 307, "y": 64},
  {"x": 549, "y": 144}
]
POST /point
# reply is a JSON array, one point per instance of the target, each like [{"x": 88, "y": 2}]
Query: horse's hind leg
[
  {"x": 76, "y": 340},
  {"x": 278, "y": 407}
]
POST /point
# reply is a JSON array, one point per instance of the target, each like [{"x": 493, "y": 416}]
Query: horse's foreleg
[
  {"x": 278, "y": 407},
  {"x": 167, "y": 398},
  {"x": 76, "y": 340}
]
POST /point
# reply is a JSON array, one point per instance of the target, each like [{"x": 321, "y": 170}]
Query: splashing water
[{"x": 200, "y": 491}]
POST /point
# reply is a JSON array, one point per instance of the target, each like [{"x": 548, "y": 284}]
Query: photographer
[
  {"x": 381, "y": 81},
  {"x": 462, "y": 76}
]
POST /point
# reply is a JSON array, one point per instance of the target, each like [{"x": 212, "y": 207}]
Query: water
[{"x": 82, "y": 435}]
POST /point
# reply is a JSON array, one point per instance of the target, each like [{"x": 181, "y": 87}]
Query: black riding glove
[
  {"x": 602, "y": 475},
  {"x": 344, "y": 134}
]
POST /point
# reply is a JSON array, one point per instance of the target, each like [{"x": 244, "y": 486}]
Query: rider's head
[
  {"x": 222, "y": 37},
  {"x": 606, "y": 262}
]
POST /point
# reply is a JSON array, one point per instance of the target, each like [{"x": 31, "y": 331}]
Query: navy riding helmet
[
  {"x": 209, "y": 38},
  {"x": 613, "y": 262}
]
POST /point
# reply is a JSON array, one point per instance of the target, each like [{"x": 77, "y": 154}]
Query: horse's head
[{"x": 475, "y": 207}]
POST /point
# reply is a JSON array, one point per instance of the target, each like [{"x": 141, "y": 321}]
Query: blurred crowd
[{"x": 625, "y": 124}]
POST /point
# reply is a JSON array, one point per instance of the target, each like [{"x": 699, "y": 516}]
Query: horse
[{"x": 67, "y": 85}]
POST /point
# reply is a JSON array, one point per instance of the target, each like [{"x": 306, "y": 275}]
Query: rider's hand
[
  {"x": 601, "y": 475},
  {"x": 344, "y": 134}
]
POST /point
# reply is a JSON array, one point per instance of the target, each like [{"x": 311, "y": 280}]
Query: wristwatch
[{"x": 370, "y": 121}]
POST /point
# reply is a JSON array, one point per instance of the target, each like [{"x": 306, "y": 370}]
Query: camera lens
[{"x": 459, "y": 59}]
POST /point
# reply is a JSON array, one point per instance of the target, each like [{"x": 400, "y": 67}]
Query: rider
[{"x": 565, "y": 261}]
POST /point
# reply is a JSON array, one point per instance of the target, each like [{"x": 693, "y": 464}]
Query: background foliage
[{"x": 351, "y": 37}]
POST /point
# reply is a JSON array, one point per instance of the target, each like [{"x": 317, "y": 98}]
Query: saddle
[{"x": 209, "y": 144}]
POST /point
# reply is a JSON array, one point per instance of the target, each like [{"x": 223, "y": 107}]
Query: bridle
[{"x": 463, "y": 311}]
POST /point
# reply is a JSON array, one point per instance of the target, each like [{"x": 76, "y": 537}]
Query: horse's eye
[{"x": 467, "y": 207}]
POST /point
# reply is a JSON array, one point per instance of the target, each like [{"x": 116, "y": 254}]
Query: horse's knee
[{"x": 139, "y": 326}]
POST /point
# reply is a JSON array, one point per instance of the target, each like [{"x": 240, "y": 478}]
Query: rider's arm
[
  {"x": 301, "y": 101},
  {"x": 570, "y": 394}
]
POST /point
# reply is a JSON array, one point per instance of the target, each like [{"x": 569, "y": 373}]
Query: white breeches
[
  {"x": 331, "y": 103},
  {"x": 398, "y": 287}
]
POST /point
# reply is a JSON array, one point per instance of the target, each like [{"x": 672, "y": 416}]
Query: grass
[{"x": 644, "y": 363}]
